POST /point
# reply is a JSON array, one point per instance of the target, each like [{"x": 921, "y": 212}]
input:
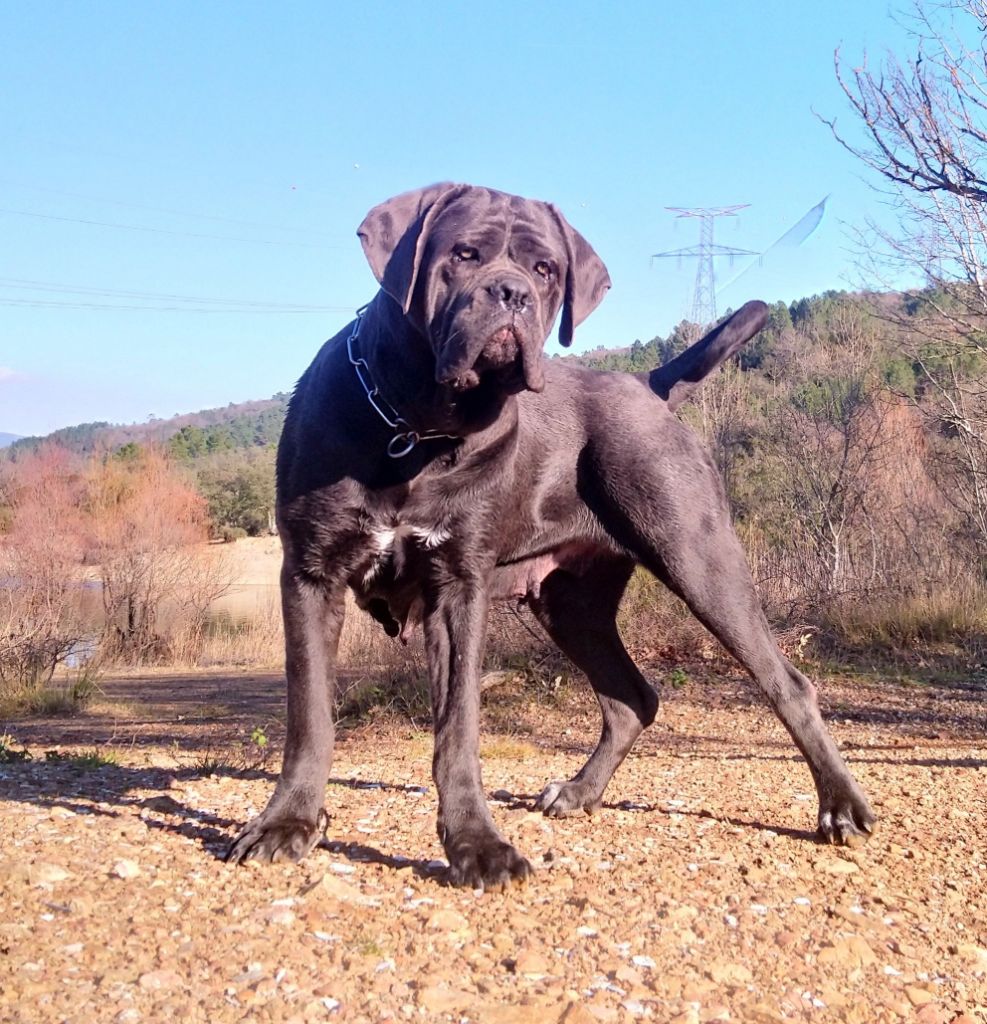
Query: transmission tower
[{"x": 704, "y": 296}]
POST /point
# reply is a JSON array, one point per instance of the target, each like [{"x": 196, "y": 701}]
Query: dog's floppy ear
[
  {"x": 586, "y": 279},
  {"x": 393, "y": 236}
]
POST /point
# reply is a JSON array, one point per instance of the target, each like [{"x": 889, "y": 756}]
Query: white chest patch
[
  {"x": 384, "y": 540},
  {"x": 430, "y": 537}
]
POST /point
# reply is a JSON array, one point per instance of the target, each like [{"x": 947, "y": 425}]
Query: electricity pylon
[{"x": 704, "y": 296}]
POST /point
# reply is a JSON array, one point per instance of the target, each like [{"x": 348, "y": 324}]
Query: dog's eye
[
  {"x": 465, "y": 254},
  {"x": 543, "y": 269}
]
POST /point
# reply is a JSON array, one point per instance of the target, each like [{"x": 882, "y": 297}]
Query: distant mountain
[
  {"x": 237, "y": 425},
  {"x": 6, "y": 439}
]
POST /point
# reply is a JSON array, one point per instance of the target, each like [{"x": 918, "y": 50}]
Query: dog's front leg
[
  {"x": 294, "y": 819},
  {"x": 455, "y": 630}
]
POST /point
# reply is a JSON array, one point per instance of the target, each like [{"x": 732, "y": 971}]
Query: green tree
[{"x": 239, "y": 489}]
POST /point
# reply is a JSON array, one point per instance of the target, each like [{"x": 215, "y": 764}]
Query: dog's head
[{"x": 482, "y": 275}]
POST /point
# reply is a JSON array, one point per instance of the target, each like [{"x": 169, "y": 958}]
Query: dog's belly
[
  {"x": 522, "y": 580},
  {"x": 388, "y": 584}
]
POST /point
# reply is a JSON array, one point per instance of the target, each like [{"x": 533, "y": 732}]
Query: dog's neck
[{"x": 401, "y": 365}]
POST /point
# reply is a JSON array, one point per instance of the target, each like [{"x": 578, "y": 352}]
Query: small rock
[
  {"x": 832, "y": 997},
  {"x": 333, "y": 887},
  {"x": 48, "y": 874},
  {"x": 576, "y": 1013},
  {"x": 840, "y": 867},
  {"x": 976, "y": 955},
  {"x": 933, "y": 1013},
  {"x": 156, "y": 981},
  {"x": 280, "y": 915},
  {"x": 450, "y": 921},
  {"x": 627, "y": 975},
  {"x": 918, "y": 996},
  {"x": 532, "y": 965},
  {"x": 714, "y": 1012},
  {"x": 848, "y": 953},
  {"x": 520, "y": 1014},
  {"x": 161, "y": 804},
  {"x": 729, "y": 974},
  {"x": 441, "y": 999},
  {"x": 124, "y": 868},
  {"x": 761, "y": 1013}
]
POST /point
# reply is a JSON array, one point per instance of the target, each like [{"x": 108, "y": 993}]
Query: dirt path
[{"x": 696, "y": 894}]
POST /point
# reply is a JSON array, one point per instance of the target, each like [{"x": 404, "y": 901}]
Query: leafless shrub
[
  {"x": 146, "y": 526},
  {"x": 40, "y": 625}
]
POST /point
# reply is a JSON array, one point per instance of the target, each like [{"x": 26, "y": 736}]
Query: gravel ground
[{"x": 696, "y": 894}]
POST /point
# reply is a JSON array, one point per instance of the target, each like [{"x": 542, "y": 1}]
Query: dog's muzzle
[{"x": 507, "y": 356}]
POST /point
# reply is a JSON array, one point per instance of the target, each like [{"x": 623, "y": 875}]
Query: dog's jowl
[{"x": 432, "y": 461}]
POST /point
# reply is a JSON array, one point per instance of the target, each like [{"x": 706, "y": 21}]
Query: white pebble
[{"x": 125, "y": 868}]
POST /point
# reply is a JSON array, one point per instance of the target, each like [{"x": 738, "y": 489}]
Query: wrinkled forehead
[{"x": 489, "y": 219}]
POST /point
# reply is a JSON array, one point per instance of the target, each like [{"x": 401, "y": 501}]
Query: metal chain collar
[{"x": 405, "y": 440}]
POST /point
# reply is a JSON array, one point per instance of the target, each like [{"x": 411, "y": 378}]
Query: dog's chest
[
  {"x": 397, "y": 553},
  {"x": 396, "y": 546},
  {"x": 388, "y": 581}
]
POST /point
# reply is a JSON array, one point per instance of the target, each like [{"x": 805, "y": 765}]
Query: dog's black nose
[{"x": 511, "y": 292}]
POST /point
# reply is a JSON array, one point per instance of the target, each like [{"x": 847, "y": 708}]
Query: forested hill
[
  {"x": 831, "y": 400},
  {"x": 258, "y": 424},
  {"x": 254, "y": 424}
]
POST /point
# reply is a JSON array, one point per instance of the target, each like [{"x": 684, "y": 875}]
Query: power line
[
  {"x": 167, "y": 231},
  {"x": 162, "y": 209},
  {"x": 25, "y": 284},
  {"x": 118, "y": 307}
]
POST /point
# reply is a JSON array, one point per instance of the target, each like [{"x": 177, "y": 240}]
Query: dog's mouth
[{"x": 505, "y": 360}]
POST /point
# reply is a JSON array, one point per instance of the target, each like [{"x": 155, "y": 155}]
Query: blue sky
[{"x": 182, "y": 182}]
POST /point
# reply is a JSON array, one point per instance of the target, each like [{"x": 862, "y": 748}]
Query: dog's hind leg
[
  {"x": 294, "y": 819},
  {"x": 579, "y": 614},
  {"x": 691, "y": 546}
]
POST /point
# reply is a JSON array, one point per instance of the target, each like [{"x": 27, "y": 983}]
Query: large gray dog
[{"x": 432, "y": 461}]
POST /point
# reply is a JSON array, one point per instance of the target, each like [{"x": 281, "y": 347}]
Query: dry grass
[
  {"x": 257, "y": 642},
  {"x": 67, "y": 692},
  {"x": 656, "y": 625},
  {"x": 908, "y": 623},
  {"x": 507, "y": 748}
]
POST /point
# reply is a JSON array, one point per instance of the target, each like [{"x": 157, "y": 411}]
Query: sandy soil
[{"x": 696, "y": 894}]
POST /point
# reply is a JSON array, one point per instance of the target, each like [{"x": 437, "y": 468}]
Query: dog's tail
[{"x": 681, "y": 376}]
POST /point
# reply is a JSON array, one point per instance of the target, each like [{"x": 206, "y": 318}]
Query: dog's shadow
[
  {"x": 361, "y": 853},
  {"x": 526, "y": 802},
  {"x": 112, "y": 791}
]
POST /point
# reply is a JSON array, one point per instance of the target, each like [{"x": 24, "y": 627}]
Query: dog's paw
[
  {"x": 847, "y": 820},
  {"x": 564, "y": 799},
  {"x": 272, "y": 839},
  {"x": 487, "y": 863}
]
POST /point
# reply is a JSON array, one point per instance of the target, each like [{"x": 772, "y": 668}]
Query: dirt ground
[{"x": 696, "y": 894}]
